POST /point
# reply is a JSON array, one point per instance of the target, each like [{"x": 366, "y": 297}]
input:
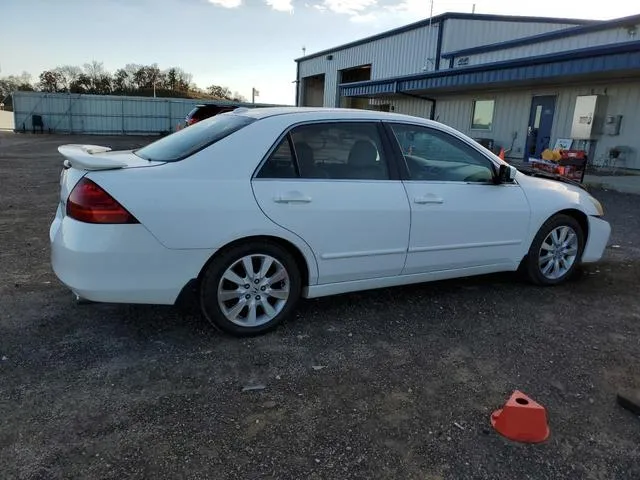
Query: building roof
[
  {"x": 544, "y": 37},
  {"x": 618, "y": 57},
  {"x": 447, "y": 16}
]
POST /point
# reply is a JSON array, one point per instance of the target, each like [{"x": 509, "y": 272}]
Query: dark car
[{"x": 200, "y": 112}]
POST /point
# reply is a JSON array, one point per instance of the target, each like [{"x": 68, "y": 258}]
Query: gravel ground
[{"x": 364, "y": 385}]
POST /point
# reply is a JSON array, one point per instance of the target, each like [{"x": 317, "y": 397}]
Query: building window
[{"x": 482, "y": 118}]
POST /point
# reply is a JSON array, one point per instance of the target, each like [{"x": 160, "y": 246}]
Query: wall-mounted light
[{"x": 632, "y": 30}]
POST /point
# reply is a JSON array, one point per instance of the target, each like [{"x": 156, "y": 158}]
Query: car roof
[{"x": 324, "y": 113}]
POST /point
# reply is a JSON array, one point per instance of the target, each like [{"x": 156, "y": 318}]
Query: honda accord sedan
[{"x": 253, "y": 209}]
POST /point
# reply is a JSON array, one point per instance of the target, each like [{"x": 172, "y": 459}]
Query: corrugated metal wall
[
  {"x": 101, "y": 114},
  {"x": 512, "y": 109},
  {"x": 593, "y": 39},
  {"x": 415, "y": 51},
  {"x": 459, "y": 34},
  {"x": 406, "y": 53}
]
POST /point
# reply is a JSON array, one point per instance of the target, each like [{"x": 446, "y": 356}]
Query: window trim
[
  {"x": 473, "y": 109},
  {"x": 395, "y": 169},
  {"x": 402, "y": 162}
]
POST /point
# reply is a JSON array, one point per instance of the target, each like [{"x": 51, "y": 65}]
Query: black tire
[
  {"x": 210, "y": 280},
  {"x": 530, "y": 264}
]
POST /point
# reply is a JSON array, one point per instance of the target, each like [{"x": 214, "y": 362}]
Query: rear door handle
[
  {"x": 292, "y": 197},
  {"x": 428, "y": 199}
]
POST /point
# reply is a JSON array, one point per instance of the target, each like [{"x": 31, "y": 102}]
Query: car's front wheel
[
  {"x": 556, "y": 251},
  {"x": 249, "y": 289}
]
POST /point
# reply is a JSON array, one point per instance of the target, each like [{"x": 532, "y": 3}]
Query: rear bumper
[
  {"x": 599, "y": 233},
  {"x": 120, "y": 263}
]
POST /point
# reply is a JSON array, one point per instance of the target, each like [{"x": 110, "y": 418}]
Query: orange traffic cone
[
  {"x": 501, "y": 154},
  {"x": 521, "y": 419}
]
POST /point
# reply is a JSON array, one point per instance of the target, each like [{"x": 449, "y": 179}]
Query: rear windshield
[{"x": 189, "y": 140}]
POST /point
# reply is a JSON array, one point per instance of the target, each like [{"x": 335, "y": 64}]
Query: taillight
[{"x": 90, "y": 203}]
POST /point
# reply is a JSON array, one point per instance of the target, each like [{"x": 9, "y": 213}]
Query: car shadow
[{"x": 183, "y": 328}]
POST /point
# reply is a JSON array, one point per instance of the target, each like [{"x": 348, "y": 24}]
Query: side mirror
[{"x": 506, "y": 174}]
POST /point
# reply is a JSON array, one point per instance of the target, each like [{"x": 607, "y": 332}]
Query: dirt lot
[{"x": 117, "y": 391}]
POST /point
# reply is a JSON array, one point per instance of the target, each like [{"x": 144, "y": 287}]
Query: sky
[{"x": 239, "y": 44}]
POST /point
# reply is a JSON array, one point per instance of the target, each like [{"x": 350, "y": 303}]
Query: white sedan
[{"x": 256, "y": 208}]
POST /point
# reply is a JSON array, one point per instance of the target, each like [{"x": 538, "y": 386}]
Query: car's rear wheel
[
  {"x": 251, "y": 288},
  {"x": 556, "y": 251}
]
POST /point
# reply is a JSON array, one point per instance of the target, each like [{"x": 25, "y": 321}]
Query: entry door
[
  {"x": 540, "y": 123},
  {"x": 459, "y": 218},
  {"x": 329, "y": 183}
]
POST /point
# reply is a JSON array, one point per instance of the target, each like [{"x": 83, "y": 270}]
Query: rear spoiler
[{"x": 84, "y": 157}]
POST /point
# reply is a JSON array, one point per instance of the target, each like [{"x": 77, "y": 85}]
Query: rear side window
[{"x": 186, "y": 142}]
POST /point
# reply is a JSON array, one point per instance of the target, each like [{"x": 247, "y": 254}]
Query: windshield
[{"x": 189, "y": 140}]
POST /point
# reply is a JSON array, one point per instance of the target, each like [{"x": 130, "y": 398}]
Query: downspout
[
  {"x": 439, "y": 44},
  {"x": 297, "y": 84}
]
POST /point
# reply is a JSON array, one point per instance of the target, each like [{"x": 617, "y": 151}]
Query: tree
[
  {"x": 171, "y": 79},
  {"x": 132, "y": 79},
  {"x": 102, "y": 84},
  {"x": 220, "y": 92},
  {"x": 147, "y": 76},
  {"x": 50, "y": 81},
  {"x": 82, "y": 84},
  {"x": 68, "y": 75},
  {"x": 100, "y": 79},
  {"x": 12, "y": 83},
  {"x": 124, "y": 79}
]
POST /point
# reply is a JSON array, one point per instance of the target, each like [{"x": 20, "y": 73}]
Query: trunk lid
[{"x": 82, "y": 159}]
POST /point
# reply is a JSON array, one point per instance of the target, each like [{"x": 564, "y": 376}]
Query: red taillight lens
[{"x": 90, "y": 203}]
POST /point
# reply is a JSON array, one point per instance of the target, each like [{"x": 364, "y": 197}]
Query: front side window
[
  {"x": 482, "y": 118},
  {"x": 340, "y": 151},
  {"x": 433, "y": 155},
  {"x": 186, "y": 142}
]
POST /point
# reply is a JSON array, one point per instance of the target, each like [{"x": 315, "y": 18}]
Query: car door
[
  {"x": 460, "y": 218},
  {"x": 333, "y": 185}
]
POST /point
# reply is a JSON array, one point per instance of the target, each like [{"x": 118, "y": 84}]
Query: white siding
[
  {"x": 460, "y": 34},
  {"x": 6, "y": 120},
  {"x": 593, "y": 39},
  {"x": 512, "y": 108},
  {"x": 401, "y": 54}
]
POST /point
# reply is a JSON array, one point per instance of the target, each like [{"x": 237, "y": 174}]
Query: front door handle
[
  {"x": 428, "y": 199},
  {"x": 292, "y": 197}
]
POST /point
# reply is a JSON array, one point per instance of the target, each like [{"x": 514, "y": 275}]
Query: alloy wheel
[
  {"x": 558, "y": 252},
  {"x": 253, "y": 290}
]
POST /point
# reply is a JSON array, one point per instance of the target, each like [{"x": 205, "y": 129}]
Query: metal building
[
  {"x": 519, "y": 83},
  {"x": 105, "y": 114}
]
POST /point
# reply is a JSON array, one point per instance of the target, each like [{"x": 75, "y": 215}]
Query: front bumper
[
  {"x": 599, "y": 233},
  {"x": 120, "y": 263}
]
